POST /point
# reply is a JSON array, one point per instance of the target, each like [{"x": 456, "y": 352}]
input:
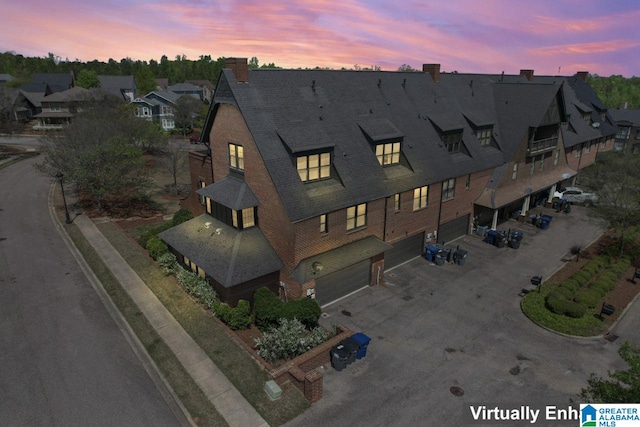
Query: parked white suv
[{"x": 576, "y": 195}]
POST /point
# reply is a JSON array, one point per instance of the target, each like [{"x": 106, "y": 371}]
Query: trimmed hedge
[
  {"x": 156, "y": 247},
  {"x": 235, "y": 318},
  {"x": 153, "y": 232},
  {"x": 590, "y": 298},
  {"x": 182, "y": 215},
  {"x": 268, "y": 310},
  {"x": 559, "y": 305}
]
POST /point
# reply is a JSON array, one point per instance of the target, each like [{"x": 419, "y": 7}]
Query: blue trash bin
[
  {"x": 430, "y": 253},
  {"x": 363, "y": 341}
]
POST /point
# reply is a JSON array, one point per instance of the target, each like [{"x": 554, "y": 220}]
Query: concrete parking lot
[{"x": 437, "y": 327}]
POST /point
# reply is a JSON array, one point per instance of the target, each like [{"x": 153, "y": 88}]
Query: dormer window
[
  {"x": 388, "y": 153},
  {"x": 236, "y": 157},
  {"x": 484, "y": 136},
  {"x": 453, "y": 141},
  {"x": 314, "y": 167}
]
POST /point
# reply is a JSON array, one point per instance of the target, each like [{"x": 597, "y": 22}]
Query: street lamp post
[{"x": 59, "y": 175}]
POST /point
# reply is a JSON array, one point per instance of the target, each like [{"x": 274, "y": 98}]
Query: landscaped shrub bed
[{"x": 572, "y": 305}]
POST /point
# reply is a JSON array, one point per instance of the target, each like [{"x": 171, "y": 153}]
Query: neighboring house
[
  {"x": 59, "y": 108},
  {"x": 160, "y": 104},
  {"x": 316, "y": 182},
  {"x": 122, "y": 86},
  {"x": 29, "y": 100},
  {"x": 207, "y": 88},
  {"x": 628, "y": 135},
  {"x": 5, "y": 78},
  {"x": 57, "y": 82},
  {"x": 187, "y": 89},
  {"x": 162, "y": 83}
]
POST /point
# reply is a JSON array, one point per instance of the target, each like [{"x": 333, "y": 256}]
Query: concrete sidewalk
[{"x": 225, "y": 397}]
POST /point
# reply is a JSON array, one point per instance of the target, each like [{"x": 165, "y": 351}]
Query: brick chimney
[
  {"x": 239, "y": 67},
  {"x": 527, "y": 73},
  {"x": 583, "y": 75},
  {"x": 433, "y": 69}
]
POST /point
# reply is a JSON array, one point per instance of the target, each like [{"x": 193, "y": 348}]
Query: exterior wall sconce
[{"x": 317, "y": 267}]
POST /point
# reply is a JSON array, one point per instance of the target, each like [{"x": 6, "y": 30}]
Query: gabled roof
[
  {"x": 33, "y": 98},
  {"x": 290, "y": 111},
  {"x": 163, "y": 96},
  {"x": 204, "y": 83},
  {"x": 76, "y": 93},
  {"x": 632, "y": 117},
  {"x": 184, "y": 87},
  {"x": 5, "y": 78},
  {"x": 117, "y": 85},
  {"x": 42, "y": 88},
  {"x": 58, "y": 82}
]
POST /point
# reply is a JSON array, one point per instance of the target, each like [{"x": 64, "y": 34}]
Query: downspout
[{"x": 439, "y": 216}]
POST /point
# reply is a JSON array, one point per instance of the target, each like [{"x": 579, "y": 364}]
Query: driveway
[{"x": 434, "y": 328}]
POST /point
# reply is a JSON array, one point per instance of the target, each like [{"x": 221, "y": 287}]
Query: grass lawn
[
  {"x": 201, "y": 409},
  {"x": 239, "y": 367}
]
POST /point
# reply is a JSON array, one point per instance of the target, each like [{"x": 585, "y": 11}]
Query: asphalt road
[{"x": 63, "y": 360}]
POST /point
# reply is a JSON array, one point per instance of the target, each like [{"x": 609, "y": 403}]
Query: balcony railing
[{"x": 542, "y": 145}]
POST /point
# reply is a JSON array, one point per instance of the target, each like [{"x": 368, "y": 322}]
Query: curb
[{"x": 161, "y": 383}]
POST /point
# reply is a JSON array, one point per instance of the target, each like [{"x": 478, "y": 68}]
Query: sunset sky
[{"x": 469, "y": 36}]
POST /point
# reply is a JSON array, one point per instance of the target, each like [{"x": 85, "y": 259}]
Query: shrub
[
  {"x": 599, "y": 288},
  {"x": 620, "y": 267},
  {"x": 565, "y": 292},
  {"x": 156, "y": 247},
  {"x": 571, "y": 284},
  {"x": 609, "y": 275},
  {"x": 288, "y": 340},
  {"x": 154, "y": 231},
  {"x": 582, "y": 277},
  {"x": 196, "y": 286},
  {"x": 589, "y": 298},
  {"x": 183, "y": 215},
  {"x": 559, "y": 305},
  {"x": 236, "y": 318},
  {"x": 168, "y": 262},
  {"x": 267, "y": 308},
  {"x": 305, "y": 310}
]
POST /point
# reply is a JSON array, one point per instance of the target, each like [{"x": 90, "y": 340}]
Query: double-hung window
[
  {"x": 420, "y": 197},
  {"x": 484, "y": 136},
  {"x": 236, "y": 157},
  {"x": 448, "y": 189},
  {"x": 357, "y": 216},
  {"x": 323, "y": 223},
  {"x": 453, "y": 141}
]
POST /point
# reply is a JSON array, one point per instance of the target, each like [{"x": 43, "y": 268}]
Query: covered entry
[
  {"x": 453, "y": 229},
  {"x": 404, "y": 250}
]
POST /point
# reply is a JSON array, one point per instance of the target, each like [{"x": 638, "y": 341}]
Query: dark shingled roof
[
  {"x": 290, "y": 111},
  {"x": 231, "y": 192},
  {"x": 632, "y": 117},
  {"x": 228, "y": 255}
]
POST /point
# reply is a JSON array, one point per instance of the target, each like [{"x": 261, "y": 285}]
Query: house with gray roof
[
  {"x": 57, "y": 82},
  {"x": 123, "y": 87},
  {"x": 59, "y": 108},
  {"x": 628, "y": 125},
  {"x": 329, "y": 178},
  {"x": 157, "y": 105}
]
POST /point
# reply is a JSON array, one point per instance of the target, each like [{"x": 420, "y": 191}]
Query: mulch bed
[{"x": 624, "y": 292}]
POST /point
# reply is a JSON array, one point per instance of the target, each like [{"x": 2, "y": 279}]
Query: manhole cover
[
  {"x": 515, "y": 370},
  {"x": 324, "y": 315},
  {"x": 456, "y": 391},
  {"x": 392, "y": 274},
  {"x": 346, "y": 313}
]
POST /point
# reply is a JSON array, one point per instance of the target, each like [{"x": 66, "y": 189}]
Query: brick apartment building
[{"x": 316, "y": 182}]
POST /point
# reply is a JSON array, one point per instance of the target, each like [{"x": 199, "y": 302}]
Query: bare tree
[{"x": 174, "y": 161}]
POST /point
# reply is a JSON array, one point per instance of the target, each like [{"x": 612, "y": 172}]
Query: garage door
[
  {"x": 336, "y": 285},
  {"x": 404, "y": 250},
  {"x": 453, "y": 229}
]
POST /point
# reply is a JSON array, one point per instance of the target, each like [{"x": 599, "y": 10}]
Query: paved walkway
[{"x": 224, "y": 396}]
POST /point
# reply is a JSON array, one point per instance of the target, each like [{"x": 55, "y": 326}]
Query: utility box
[{"x": 273, "y": 390}]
